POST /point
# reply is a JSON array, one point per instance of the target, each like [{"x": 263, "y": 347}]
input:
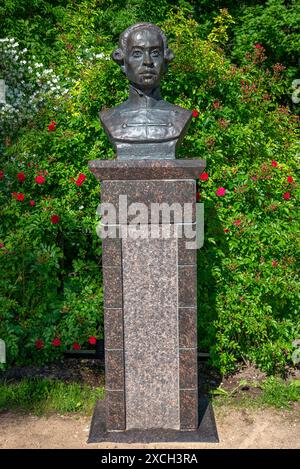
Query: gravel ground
[{"x": 237, "y": 428}]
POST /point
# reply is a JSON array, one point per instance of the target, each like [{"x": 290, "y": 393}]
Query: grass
[
  {"x": 274, "y": 392},
  {"x": 45, "y": 396},
  {"x": 277, "y": 393}
]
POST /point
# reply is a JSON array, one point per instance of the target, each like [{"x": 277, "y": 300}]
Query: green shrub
[
  {"x": 51, "y": 284},
  {"x": 275, "y": 25}
]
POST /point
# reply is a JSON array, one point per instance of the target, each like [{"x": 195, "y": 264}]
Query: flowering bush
[
  {"x": 247, "y": 282},
  {"x": 243, "y": 125},
  {"x": 28, "y": 85}
]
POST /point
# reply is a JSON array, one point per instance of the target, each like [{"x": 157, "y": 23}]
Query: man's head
[{"x": 143, "y": 55}]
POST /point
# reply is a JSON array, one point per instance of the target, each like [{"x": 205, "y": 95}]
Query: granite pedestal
[{"x": 150, "y": 311}]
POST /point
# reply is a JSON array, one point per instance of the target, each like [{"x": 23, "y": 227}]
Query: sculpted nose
[{"x": 148, "y": 59}]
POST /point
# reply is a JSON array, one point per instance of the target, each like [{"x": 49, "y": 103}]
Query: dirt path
[{"x": 237, "y": 428}]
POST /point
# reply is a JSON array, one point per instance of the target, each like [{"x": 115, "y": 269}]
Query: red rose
[
  {"x": 290, "y": 179},
  {"x": 76, "y": 346},
  {"x": 274, "y": 263},
  {"x": 258, "y": 46},
  {"x": 221, "y": 192},
  {"x": 195, "y": 113},
  {"x": 81, "y": 178},
  {"x": 203, "y": 176},
  {"x": 1, "y": 174},
  {"x": 39, "y": 344},
  {"x": 274, "y": 164},
  {"x": 1, "y": 245},
  {"x": 52, "y": 126},
  {"x": 92, "y": 340},
  {"x": 55, "y": 219},
  {"x": 40, "y": 179},
  {"x": 226, "y": 230},
  {"x": 287, "y": 195},
  {"x": 32, "y": 203},
  {"x": 56, "y": 342},
  {"x": 20, "y": 197},
  {"x": 216, "y": 104},
  {"x": 21, "y": 177},
  {"x": 237, "y": 222}
]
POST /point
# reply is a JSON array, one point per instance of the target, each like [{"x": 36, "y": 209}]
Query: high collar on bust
[{"x": 138, "y": 98}]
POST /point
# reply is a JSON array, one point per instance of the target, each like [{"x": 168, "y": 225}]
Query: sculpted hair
[{"x": 118, "y": 54}]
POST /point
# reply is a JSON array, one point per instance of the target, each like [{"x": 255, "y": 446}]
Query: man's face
[{"x": 144, "y": 60}]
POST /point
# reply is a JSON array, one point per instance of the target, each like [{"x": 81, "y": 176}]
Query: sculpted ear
[
  {"x": 169, "y": 55},
  {"x": 118, "y": 56}
]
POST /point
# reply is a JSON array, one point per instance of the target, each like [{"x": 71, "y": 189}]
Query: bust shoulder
[
  {"x": 174, "y": 108},
  {"x": 152, "y": 121},
  {"x": 107, "y": 118},
  {"x": 107, "y": 114},
  {"x": 115, "y": 112},
  {"x": 111, "y": 117}
]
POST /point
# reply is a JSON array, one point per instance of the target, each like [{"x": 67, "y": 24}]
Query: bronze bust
[{"x": 145, "y": 126}]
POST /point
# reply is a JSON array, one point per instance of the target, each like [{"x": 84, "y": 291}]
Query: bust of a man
[{"x": 145, "y": 126}]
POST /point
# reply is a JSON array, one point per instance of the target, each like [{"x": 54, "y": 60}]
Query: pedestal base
[{"x": 205, "y": 433}]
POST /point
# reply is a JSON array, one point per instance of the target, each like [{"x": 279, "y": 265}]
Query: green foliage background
[{"x": 236, "y": 67}]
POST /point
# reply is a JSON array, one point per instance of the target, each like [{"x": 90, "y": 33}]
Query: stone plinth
[{"x": 150, "y": 306}]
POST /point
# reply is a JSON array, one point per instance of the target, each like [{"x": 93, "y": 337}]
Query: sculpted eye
[
  {"x": 136, "y": 53},
  {"x": 155, "y": 53}
]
